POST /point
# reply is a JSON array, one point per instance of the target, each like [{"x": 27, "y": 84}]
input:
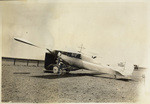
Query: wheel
[
  {"x": 55, "y": 69},
  {"x": 59, "y": 71},
  {"x": 62, "y": 71}
]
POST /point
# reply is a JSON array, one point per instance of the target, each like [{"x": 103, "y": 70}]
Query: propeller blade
[
  {"x": 20, "y": 40},
  {"x": 49, "y": 50},
  {"x": 29, "y": 43}
]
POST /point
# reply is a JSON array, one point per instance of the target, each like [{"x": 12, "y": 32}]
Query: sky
[{"x": 115, "y": 31}]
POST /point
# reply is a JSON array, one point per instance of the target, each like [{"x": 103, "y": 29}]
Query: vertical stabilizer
[{"x": 127, "y": 69}]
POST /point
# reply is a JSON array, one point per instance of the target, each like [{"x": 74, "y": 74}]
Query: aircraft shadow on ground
[
  {"x": 54, "y": 76},
  {"x": 21, "y": 73},
  {"x": 78, "y": 75}
]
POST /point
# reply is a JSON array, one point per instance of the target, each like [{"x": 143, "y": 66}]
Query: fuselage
[{"x": 89, "y": 63}]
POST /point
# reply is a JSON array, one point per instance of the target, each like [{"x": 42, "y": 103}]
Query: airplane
[{"x": 62, "y": 62}]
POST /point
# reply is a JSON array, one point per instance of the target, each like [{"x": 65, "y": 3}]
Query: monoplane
[{"x": 62, "y": 62}]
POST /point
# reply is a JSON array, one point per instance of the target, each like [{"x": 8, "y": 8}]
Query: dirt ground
[{"x": 31, "y": 85}]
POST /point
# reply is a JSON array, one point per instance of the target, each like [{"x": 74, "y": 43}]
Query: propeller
[
  {"x": 20, "y": 40},
  {"x": 29, "y": 43}
]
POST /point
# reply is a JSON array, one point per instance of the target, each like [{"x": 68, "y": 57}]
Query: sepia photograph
[{"x": 69, "y": 51}]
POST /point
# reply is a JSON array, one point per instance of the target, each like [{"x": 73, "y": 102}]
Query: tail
[{"x": 125, "y": 69}]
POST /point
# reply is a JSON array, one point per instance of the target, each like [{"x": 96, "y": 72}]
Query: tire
[
  {"x": 62, "y": 71},
  {"x": 55, "y": 69}
]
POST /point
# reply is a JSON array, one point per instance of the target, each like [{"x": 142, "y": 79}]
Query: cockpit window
[{"x": 75, "y": 55}]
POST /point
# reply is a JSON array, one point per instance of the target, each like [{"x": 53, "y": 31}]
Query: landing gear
[
  {"x": 60, "y": 71},
  {"x": 55, "y": 69},
  {"x": 60, "y": 68}
]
